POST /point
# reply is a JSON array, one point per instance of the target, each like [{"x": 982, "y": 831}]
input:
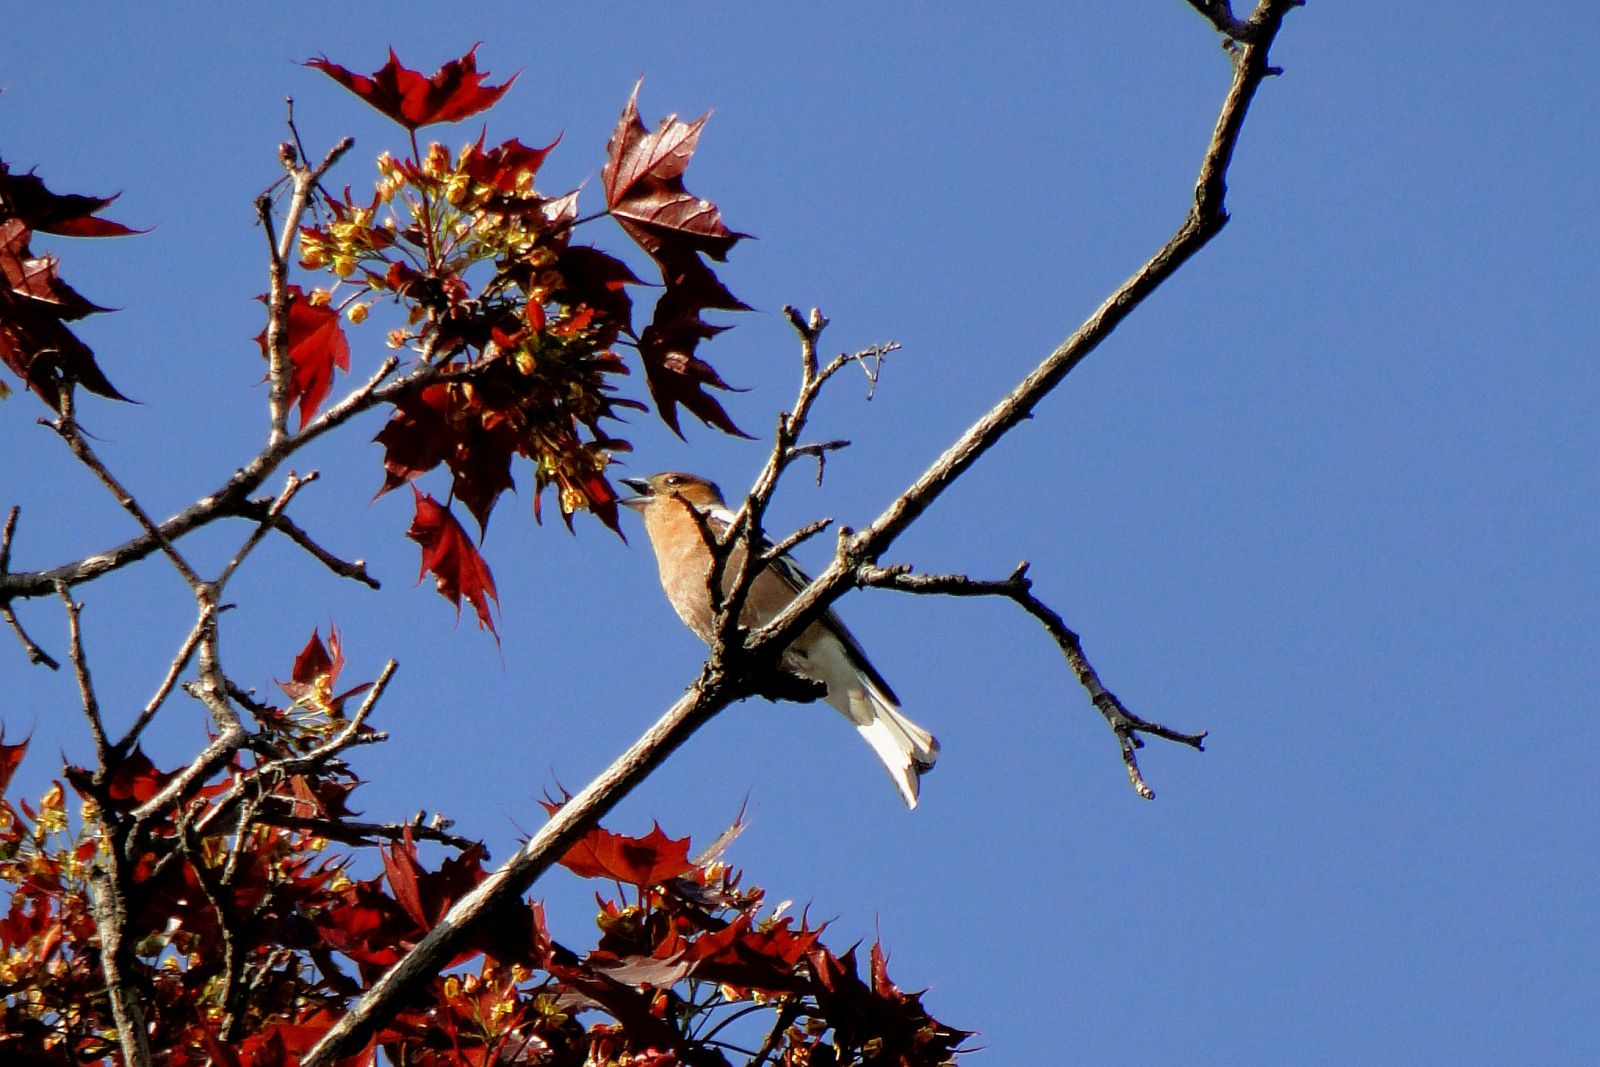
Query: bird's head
[{"x": 672, "y": 485}]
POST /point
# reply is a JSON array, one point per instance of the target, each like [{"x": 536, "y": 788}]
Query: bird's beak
[{"x": 640, "y": 486}]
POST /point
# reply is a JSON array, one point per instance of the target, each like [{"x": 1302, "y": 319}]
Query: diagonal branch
[
  {"x": 1019, "y": 588},
  {"x": 66, "y": 425},
  {"x": 1206, "y": 218},
  {"x": 727, "y": 673},
  {"x": 35, "y": 653}
]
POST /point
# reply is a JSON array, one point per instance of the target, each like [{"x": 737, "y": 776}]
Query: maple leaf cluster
[
  {"x": 525, "y": 324},
  {"x": 35, "y": 302},
  {"x": 251, "y": 934}
]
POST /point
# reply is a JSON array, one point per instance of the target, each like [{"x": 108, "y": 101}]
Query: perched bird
[{"x": 825, "y": 652}]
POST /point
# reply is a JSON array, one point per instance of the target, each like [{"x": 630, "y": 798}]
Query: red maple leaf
[
  {"x": 458, "y": 570},
  {"x": 10, "y": 756},
  {"x": 69, "y": 214},
  {"x": 641, "y": 861},
  {"x": 643, "y": 180},
  {"x": 35, "y": 303},
  {"x": 441, "y": 423},
  {"x": 316, "y": 671},
  {"x": 317, "y": 344},
  {"x": 673, "y": 372},
  {"x": 455, "y": 90}
]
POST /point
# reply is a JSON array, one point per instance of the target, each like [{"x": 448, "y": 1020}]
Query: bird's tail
[{"x": 906, "y": 749}]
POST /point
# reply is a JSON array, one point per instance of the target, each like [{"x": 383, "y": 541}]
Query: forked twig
[{"x": 1018, "y": 588}]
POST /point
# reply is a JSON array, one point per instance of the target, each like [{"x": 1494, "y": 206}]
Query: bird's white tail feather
[{"x": 906, "y": 749}]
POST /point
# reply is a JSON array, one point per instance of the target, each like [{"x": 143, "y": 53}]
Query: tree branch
[
  {"x": 302, "y": 180},
  {"x": 80, "y": 667},
  {"x": 1019, "y": 589},
  {"x": 1206, "y": 218},
  {"x": 726, "y": 674},
  {"x": 35, "y": 653},
  {"x": 66, "y": 425}
]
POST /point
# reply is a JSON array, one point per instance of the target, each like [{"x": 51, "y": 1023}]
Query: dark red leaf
[
  {"x": 643, "y": 181},
  {"x": 499, "y": 167},
  {"x": 642, "y": 861},
  {"x": 317, "y": 344},
  {"x": 24, "y": 196},
  {"x": 672, "y": 370},
  {"x": 458, "y": 570},
  {"x": 10, "y": 756},
  {"x": 35, "y": 304},
  {"x": 455, "y": 90}
]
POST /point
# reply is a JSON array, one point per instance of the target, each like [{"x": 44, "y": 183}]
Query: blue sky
[{"x": 1331, "y": 494}]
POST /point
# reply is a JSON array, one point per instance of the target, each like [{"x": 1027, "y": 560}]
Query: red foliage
[
  {"x": 683, "y": 952},
  {"x": 455, "y": 90},
  {"x": 317, "y": 344},
  {"x": 448, "y": 553},
  {"x": 643, "y": 179},
  {"x": 35, "y": 303}
]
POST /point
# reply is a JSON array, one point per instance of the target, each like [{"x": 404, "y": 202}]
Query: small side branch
[
  {"x": 66, "y": 425},
  {"x": 303, "y": 180},
  {"x": 1018, "y": 588},
  {"x": 80, "y": 667},
  {"x": 36, "y": 654},
  {"x": 356, "y": 570}
]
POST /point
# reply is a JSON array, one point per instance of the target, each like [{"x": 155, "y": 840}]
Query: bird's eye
[{"x": 672, "y": 479}]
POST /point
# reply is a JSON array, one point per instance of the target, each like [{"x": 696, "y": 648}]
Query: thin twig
[
  {"x": 175, "y": 668},
  {"x": 80, "y": 668},
  {"x": 1019, "y": 589},
  {"x": 361, "y": 833},
  {"x": 36, "y": 654},
  {"x": 800, "y": 536},
  {"x": 66, "y": 425},
  {"x": 355, "y": 570},
  {"x": 292, "y": 486}
]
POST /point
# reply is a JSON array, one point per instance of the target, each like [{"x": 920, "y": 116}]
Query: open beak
[{"x": 640, "y": 486}]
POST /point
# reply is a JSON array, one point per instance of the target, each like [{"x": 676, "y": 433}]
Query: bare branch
[
  {"x": 231, "y": 499},
  {"x": 179, "y": 662},
  {"x": 35, "y": 653},
  {"x": 80, "y": 667},
  {"x": 111, "y": 919},
  {"x": 355, "y": 570},
  {"x": 302, "y": 180},
  {"x": 274, "y": 512},
  {"x": 353, "y": 832},
  {"x": 1019, "y": 589},
  {"x": 1206, "y": 217},
  {"x": 1244, "y": 31},
  {"x": 66, "y": 425}
]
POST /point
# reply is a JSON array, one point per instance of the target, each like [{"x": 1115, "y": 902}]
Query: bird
[{"x": 825, "y": 652}]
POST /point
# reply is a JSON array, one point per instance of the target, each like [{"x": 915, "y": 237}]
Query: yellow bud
[
  {"x": 318, "y": 298},
  {"x": 396, "y": 339},
  {"x": 357, "y": 313},
  {"x": 344, "y": 265}
]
